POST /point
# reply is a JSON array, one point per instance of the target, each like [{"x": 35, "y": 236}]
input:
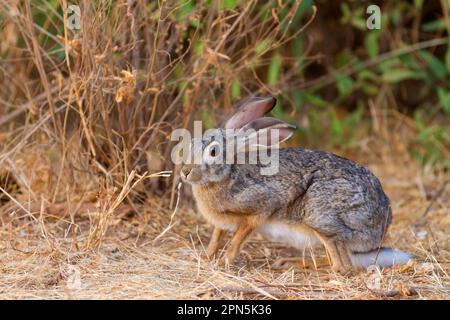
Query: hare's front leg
[
  {"x": 214, "y": 243},
  {"x": 241, "y": 234}
]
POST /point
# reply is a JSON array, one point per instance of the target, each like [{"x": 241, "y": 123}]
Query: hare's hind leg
[
  {"x": 214, "y": 243},
  {"x": 338, "y": 254},
  {"x": 345, "y": 258}
]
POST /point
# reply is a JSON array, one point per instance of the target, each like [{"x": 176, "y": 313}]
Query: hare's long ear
[
  {"x": 267, "y": 132},
  {"x": 250, "y": 110}
]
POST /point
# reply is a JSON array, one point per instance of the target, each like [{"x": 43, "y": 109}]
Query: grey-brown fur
[
  {"x": 333, "y": 195},
  {"x": 329, "y": 197}
]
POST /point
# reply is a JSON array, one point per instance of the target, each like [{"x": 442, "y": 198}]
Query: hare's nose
[{"x": 185, "y": 172}]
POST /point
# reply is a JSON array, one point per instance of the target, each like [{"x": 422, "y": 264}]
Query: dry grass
[{"x": 42, "y": 258}]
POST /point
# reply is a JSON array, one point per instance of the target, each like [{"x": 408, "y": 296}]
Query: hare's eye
[{"x": 213, "y": 151}]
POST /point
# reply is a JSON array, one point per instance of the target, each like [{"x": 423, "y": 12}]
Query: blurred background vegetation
[{"x": 102, "y": 100}]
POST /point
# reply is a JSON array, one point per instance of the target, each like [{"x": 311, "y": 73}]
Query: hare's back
[{"x": 342, "y": 198}]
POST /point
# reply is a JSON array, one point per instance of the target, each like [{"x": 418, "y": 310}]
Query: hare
[{"x": 315, "y": 198}]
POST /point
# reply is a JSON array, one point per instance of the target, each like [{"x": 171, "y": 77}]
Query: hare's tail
[{"x": 385, "y": 257}]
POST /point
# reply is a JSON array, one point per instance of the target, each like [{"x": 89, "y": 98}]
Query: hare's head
[{"x": 213, "y": 156}]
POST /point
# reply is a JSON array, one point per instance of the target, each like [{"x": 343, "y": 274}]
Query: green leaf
[
  {"x": 235, "y": 89},
  {"x": 371, "y": 43},
  {"x": 353, "y": 16},
  {"x": 278, "y": 111},
  {"x": 418, "y": 4},
  {"x": 337, "y": 129},
  {"x": 344, "y": 58},
  {"x": 315, "y": 100},
  {"x": 346, "y": 13},
  {"x": 274, "y": 69},
  {"x": 344, "y": 84},
  {"x": 297, "y": 46},
  {"x": 369, "y": 88},
  {"x": 396, "y": 16},
  {"x": 185, "y": 9},
  {"x": 398, "y": 75},
  {"x": 262, "y": 46},
  {"x": 435, "y": 65},
  {"x": 229, "y": 4},
  {"x": 389, "y": 64},
  {"x": 353, "y": 118},
  {"x": 199, "y": 48},
  {"x": 298, "y": 98},
  {"x": 305, "y": 6},
  {"x": 410, "y": 62},
  {"x": 367, "y": 74},
  {"x": 418, "y": 120},
  {"x": 444, "y": 99},
  {"x": 207, "y": 119},
  {"x": 433, "y": 26},
  {"x": 359, "y": 23},
  {"x": 447, "y": 58}
]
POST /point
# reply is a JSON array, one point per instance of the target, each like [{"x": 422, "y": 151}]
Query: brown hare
[{"x": 315, "y": 197}]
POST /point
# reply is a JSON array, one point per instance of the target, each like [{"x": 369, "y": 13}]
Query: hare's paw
[
  {"x": 211, "y": 254},
  {"x": 343, "y": 270},
  {"x": 227, "y": 260},
  {"x": 212, "y": 250},
  {"x": 224, "y": 263}
]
